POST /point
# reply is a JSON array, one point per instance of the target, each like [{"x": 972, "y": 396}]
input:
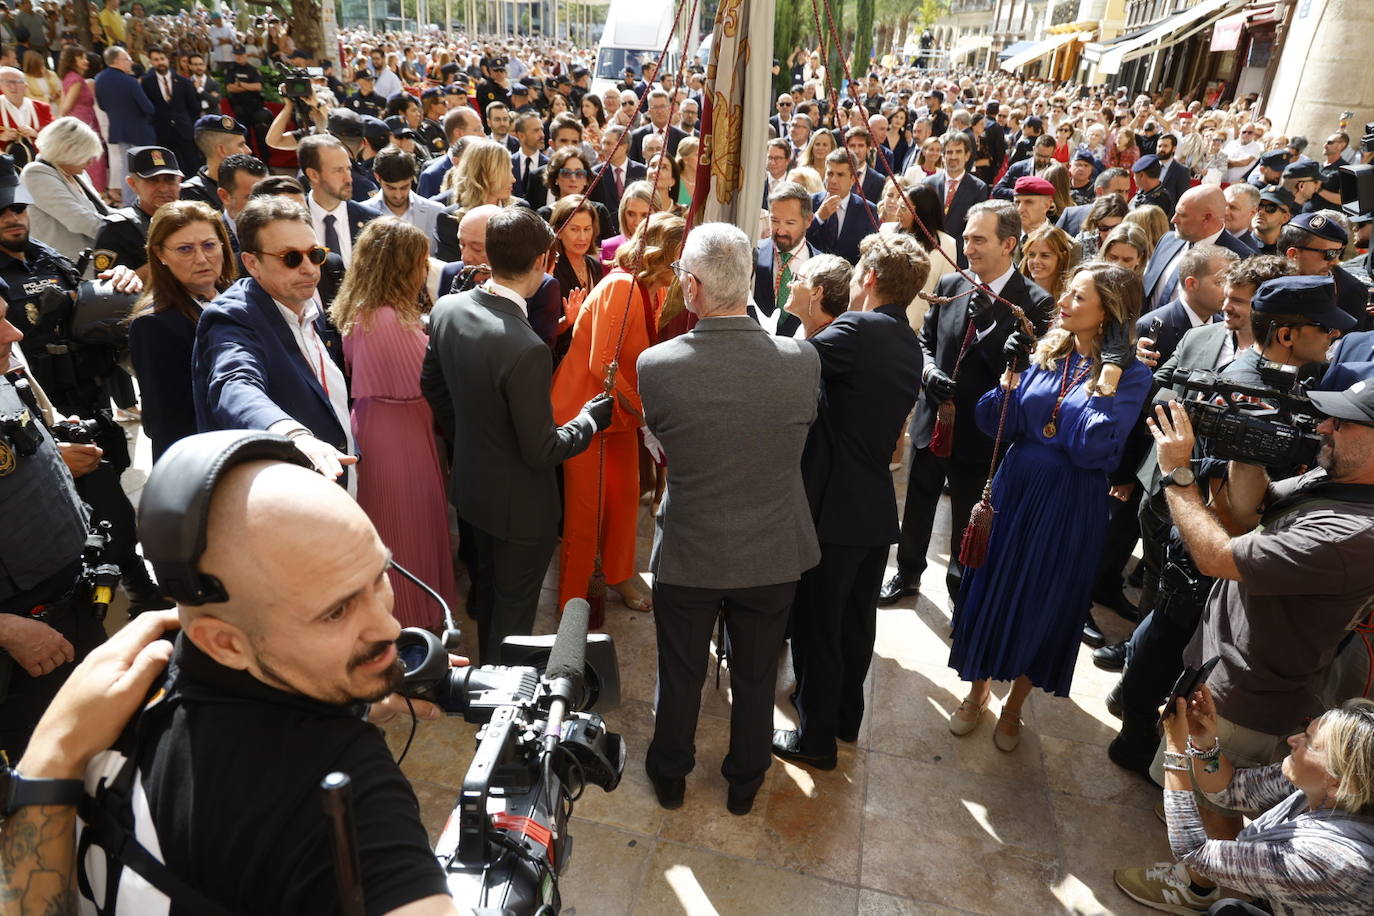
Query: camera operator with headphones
[
  {"x": 212, "y": 794},
  {"x": 1289, "y": 590}
]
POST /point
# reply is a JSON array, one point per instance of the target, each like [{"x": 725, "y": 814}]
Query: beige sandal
[{"x": 960, "y": 726}]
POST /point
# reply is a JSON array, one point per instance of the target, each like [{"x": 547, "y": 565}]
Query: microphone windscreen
[{"x": 569, "y": 655}]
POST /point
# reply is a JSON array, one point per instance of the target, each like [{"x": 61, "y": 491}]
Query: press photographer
[{"x": 1288, "y": 592}]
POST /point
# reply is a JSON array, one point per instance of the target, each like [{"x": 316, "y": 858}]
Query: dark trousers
[
  {"x": 833, "y": 623},
  {"x": 1233, "y": 907},
  {"x": 1154, "y": 656},
  {"x": 505, "y": 588},
  {"x": 925, "y": 484},
  {"x": 754, "y": 620},
  {"x": 257, "y": 119},
  {"x": 1122, "y": 533}
]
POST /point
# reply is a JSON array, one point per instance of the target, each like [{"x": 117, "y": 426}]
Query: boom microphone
[{"x": 565, "y": 674}]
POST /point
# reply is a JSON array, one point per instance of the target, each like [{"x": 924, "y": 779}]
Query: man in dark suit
[
  {"x": 1174, "y": 175},
  {"x": 990, "y": 236},
  {"x": 337, "y": 218},
  {"x": 623, "y": 171},
  {"x": 777, "y": 258},
  {"x": 870, "y": 375},
  {"x": 660, "y": 112},
  {"x": 259, "y": 360},
  {"x": 206, "y": 86},
  {"x": 527, "y": 164},
  {"x": 1201, "y": 271},
  {"x": 841, "y": 218},
  {"x": 176, "y": 108},
  {"x": 487, "y": 377},
  {"x": 734, "y": 533},
  {"x": 781, "y": 121},
  {"x": 1199, "y": 216},
  {"x": 1042, "y": 158},
  {"x": 1110, "y": 181},
  {"x": 958, "y": 189},
  {"x": 868, "y": 181},
  {"x": 458, "y": 123}
]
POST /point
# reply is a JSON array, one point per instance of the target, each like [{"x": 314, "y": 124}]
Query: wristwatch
[
  {"x": 1179, "y": 477},
  {"x": 18, "y": 791}
]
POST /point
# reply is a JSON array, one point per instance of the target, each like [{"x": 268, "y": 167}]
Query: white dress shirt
[
  {"x": 325, "y": 370},
  {"x": 491, "y": 287},
  {"x": 341, "y": 227}
]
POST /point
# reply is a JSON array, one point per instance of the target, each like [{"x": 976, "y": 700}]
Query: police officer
[
  {"x": 1152, "y": 191},
  {"x": 376, "y": 137},
  {"x": 217, "y": 137},
  {"x": 155, "y": 178},
  {"x": 243, "y": 85},
  {"x": 431, "y": 129},
  {"x": 366, "y": 102},
  {"x": 46, "y": 624},
  {"x": 1303, "y": 180},
  {"x": 495, "y": 88},
  {"x": 520, "y": 102}
]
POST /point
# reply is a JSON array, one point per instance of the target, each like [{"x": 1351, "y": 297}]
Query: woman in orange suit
[{"x": 629, "y": 297}]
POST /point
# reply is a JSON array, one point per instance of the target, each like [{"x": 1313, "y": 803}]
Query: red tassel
[
  {"x": 942, "y": 436},
  {"x": 973, "y": 550},
  {"x": 596, "y": 598}
]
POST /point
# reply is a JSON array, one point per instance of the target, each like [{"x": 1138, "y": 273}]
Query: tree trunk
[
  {"x": 903, "y": 28},
  {"x": 81, "y": 9},
  {"x": 307, "y": 30}
]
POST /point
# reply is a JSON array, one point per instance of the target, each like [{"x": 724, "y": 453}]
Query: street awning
[
  {"x": 1036, "y": 51},
  {"x": 1110, "y": 56},
  {"x": 1015, "y": 48}
]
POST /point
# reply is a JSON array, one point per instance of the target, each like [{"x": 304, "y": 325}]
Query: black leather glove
[
  {"x": 940, "y": 385},
  {"x": 599, "y": 409},
  {"x": 1017, "y": 350},
  {"x": 980, "y": 311},
  {"x": 1117, "y": 349}
]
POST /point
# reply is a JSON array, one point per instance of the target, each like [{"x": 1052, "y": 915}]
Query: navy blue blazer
[
  {"x": 530, "y": 187},
  {"x": 544, "y": 307},
  {"x": 432, "y": 178},
  {"x": 129, "y": 108},
  {"x": 1071, "y": 220},
  {"x": 860, "y": 221},
  {"x": 870, "y": 376},
  {"x": 175, "y": 120},
  {"x": 972, "y": 190},
  {"x": 1352, "y": 296},
  {"x": 1176, "y": 179},
  {"x": 160, "y": 346},
  {"x": 248, "y": 373},
  {"x": 1006, "y": 188},
  {"x": 1357, "y": 347},
  {"x": 1160, "y": 289},
  {"x": 606, "y": 193},
  {"x": 873, "y": 184},
  {"x": 763, "y": 287}
]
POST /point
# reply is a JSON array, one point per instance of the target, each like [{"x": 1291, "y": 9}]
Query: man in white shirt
[
  {"x": 1242, "y": 152},
  {"x": 396, "y": 170},
  {"x": 387, "y": 83},
  {"x": 222, "y": 40},
  {"x": 337, "y": 219}
]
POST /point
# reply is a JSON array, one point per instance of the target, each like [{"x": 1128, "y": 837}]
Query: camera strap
[{"x": 1324, "y": 492}]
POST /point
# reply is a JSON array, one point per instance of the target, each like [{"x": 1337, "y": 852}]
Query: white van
[{"x": 635, "y": 33}]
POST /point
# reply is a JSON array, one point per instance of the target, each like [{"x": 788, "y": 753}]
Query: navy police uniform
[{"x": 124, "y": 237}]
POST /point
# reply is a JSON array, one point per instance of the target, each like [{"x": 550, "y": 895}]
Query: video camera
[
  {"x": 86, "y": 432},
  {"x": 296, "y": 83},
  {"x": 1280, "y": 433},
  {"x": 506, "y": 842}
]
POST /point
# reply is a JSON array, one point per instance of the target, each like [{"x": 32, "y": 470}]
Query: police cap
[
  {"x": 1144, "y": 162},
  {"x": 1323, "y": 227},
  {"x": 375, "y": 129},
  {"x": 1278, "y": 194},
  {"x": 220, "y": 124},
  {"x": 1307, "y": 169},
  {"x": 1311, "y": 297},
  {"x": 12, "y": 191},
  {"x": 1274, "y": 159},
  {"x": 150, "y": 161},
  {"x": 344, "y": 122}
]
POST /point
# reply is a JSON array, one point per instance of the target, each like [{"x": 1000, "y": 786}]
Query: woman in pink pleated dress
[{"x": 400, "y": 479}]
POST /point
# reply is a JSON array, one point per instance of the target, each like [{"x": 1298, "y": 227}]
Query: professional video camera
[
  {"x": 1278, "y": 433},
  {"x": 86, "y": 432},
  {"x": 296, "y": 83},
  {"x": 506, "y": 842}
]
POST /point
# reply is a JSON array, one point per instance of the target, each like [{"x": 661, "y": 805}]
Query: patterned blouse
[{"x": 1300, "y": 861}]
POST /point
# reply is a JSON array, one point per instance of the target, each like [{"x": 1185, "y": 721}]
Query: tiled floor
[{"x": 913, "y": 821}]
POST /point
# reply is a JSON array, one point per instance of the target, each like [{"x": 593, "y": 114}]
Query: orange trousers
[{"x": 619, "y": 514}]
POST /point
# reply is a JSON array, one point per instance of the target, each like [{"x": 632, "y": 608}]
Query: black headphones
[{"x": 174, "y": 509}]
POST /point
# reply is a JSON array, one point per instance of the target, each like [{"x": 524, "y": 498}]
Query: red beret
[{"x": 1033, "y": 184}]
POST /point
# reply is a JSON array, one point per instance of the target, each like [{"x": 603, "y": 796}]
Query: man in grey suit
[
  {"x": 734, "y": 532},
  {"x": 396, "y": 171},
  {"x": 487, "y": 376}
]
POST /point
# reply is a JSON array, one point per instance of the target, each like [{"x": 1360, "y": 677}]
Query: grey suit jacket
[
  {"x": 487, "y": 376},
  {"x": 1199, "y": 348},
  {"x": 735, "y": 514}
]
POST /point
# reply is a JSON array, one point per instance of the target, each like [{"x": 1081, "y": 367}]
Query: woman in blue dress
[{"x": 1021, "y": 613}]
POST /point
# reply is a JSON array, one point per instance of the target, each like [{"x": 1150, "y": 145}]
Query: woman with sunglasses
[
  {"x": 189, "y": 264},
  {"x": 568, "y": 173},
  {"x": 401, "y": 485},
  {"x": 1104, "y": 215},
  {"x": 618, "y": 322},
  {"x": 1063, "y": 143}
]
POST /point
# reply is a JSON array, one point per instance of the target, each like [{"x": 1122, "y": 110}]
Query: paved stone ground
[{"x": 913, "y": 822}]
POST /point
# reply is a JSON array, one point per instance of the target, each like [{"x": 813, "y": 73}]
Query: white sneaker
[{"x": 1164, "y": 886}]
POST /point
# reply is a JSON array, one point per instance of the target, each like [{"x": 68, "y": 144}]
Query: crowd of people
[{"x": 454, "y": 275}]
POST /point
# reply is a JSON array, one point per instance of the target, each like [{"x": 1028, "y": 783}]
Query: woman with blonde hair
[
  {"x": 1047, "y": 256},
  {"x": 402, "y": 487},
  {"x": 635, "y": 206},
  {"x": 482, "y": 175},
  {"x": 43, "y": 84},
  {"x": 1127, "y": 246},
  {"x": 67, "y": 212},
  {"x": 1069, "y": 410},
  {"x": 617, "y": 323},
  {"x": 190, "y": 262},
  {"x": 1151, "y": 220},
  {"x": 688, "y": 151},
  {"x": 821, "y": 144},
  {"x": 931, "y": 158}
]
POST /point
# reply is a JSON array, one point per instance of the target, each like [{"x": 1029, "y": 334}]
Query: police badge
[
  {"x": 31, "y": 312},
  {"x": 103, "y": 260}
]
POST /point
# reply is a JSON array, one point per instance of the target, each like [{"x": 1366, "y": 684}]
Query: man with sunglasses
[
  {"x": 1314, "y": 243},
  {"x": 1294, "y": 321},
  {"x": 1303, "y": 180},
  {"x": 260, "y": 360},
  {"x": 1273, "y": 212},
  {"x": 1242, "y": 152},
  {"x": 781, "y": 121}
]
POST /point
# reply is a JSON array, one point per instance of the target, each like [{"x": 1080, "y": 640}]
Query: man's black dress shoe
[
  {"x": 1120, "y": 604},
  {"x": 898, "y": 587},
  {"x": 737, "y": 801},
  {"x": 1092, "y": 634},
  {"x": 787, "y": 746},
  {"x": 669, "y": 791},
  {"x": 1110, "y": 658}
]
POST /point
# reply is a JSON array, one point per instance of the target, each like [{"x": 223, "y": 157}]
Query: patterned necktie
[
  {"x": 951, "y": 185},
  {"x": 784, "y": 290}
]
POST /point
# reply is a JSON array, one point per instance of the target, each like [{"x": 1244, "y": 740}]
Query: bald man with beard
[{"x": 276, "y": 680}]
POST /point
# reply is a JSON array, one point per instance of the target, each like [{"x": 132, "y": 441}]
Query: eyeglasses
[
  {"x": 1328, "y": 254},
  {"x": 210, "y": 248},
  {"x": 1246, "y": 133},
  {"x": 784, "y": 104},
  {"x": 1338, "y": 422},
  {"x": 1325, "y": 329},
  {"x": 293, "y": 257},
  {"x": 15, "y": 208},
  {"x": 1104, "y": 229},
  {"x": 1268, "y": 207},
  {"x": 572, "y": 173},
  {"x": 682, "y": 272}
]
